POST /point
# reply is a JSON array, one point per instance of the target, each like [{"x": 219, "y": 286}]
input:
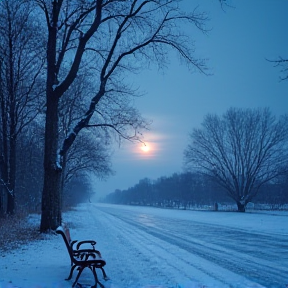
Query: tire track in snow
[
  {"x": 125, "y": 257},
  {"x": 164, "y": 256},
  {"x": 212, "y": 248}
]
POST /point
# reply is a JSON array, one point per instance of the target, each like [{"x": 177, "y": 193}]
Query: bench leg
[
  {"x": 71, "y": 272},
  {"x": 104, "y": 274},
  {"x": 78, "y": 275},
  {"x": 96, "y": 278}
]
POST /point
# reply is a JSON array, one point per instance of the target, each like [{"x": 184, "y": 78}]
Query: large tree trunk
[
  {"x": 12, "y": 135},
  {"x": 10, "y": 203},
  {"x": 12, "y": 165},
  {"x": 12, "y": 179},
  {"x": 51, "y": 200},
  {"x": 3, "y": 170},
  {"x": 51, "y": 195},
  {"x": 63, "y": 178},
  {"x": 4, "y": 160}
]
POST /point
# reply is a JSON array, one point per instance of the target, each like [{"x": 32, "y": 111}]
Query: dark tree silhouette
[{"x": 242, "y": 150}]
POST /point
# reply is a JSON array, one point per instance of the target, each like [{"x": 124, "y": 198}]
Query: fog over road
[{"x": 213, "y": 248}]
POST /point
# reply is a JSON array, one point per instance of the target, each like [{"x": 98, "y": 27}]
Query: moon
[{"x": 145, "y": 148}]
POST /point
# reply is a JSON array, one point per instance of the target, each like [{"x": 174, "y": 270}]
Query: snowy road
[
  {"x": 219, "y": 254},
  {"x": 159, "y": 248}
]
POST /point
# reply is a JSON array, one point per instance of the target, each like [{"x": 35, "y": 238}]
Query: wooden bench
[{"x": 82, "y": 258}]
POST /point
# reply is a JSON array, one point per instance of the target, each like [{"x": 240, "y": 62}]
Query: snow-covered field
[{"x": 150, "y": 247}]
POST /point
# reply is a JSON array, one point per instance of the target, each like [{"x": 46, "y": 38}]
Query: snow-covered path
[
  {"x": 188, "y": 248},
  {"x": 149, "y": 247}
]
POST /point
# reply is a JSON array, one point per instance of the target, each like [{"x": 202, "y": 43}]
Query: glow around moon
[{"x": 145, "y": 148}]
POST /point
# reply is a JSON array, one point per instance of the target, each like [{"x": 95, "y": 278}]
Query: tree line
[{"x": 189, "y": 190}]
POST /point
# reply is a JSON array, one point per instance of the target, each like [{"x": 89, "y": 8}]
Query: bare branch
[{"x": 283, "y": 65}]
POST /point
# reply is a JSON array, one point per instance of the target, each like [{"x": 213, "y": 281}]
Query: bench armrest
[{"x": 92, "y": 242}]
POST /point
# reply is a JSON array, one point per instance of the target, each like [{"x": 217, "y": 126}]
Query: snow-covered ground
[{"x": 150, "y": 247}]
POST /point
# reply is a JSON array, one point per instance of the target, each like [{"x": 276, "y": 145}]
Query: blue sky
[{"x": 176, "y": 100}]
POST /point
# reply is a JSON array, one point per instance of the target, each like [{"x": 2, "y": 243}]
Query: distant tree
[
  {"x": 143, "y": 192},
  {"x": 78, "y": 190},
  {"x": 242, "y": 150}
]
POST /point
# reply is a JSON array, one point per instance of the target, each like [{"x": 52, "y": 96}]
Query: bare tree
[
  {"x": 114, "y": 38},
  {"x": 20, "y": 66},
  {"x": 241, "y": 150}
]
